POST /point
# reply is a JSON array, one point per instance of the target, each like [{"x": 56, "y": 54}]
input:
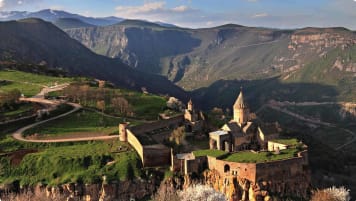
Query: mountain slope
[
  {"x": 70, "y": 23},
  {"x": 207, "y": 55},
  {"x": 36, "y": 41}
]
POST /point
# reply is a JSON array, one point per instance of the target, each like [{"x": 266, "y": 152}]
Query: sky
[{"x": 208, "y": 13}]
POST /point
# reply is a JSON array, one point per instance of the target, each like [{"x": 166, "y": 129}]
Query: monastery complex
[{"x": 247, "y": 159}]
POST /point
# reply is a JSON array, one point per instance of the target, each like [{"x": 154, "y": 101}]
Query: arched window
[{"x": 226, "y": 168}]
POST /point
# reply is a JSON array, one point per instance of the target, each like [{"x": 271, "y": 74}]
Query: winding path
[
  {"x": 276, "y": 105},
  {"x": 39, "y": 98}
]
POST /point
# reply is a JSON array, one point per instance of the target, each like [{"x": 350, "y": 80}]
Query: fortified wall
[
  {"x": 255, "y": 181},
  {"x": 151, "y": 155}
]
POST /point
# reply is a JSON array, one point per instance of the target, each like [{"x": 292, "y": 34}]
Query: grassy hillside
[
  {"x": 323, "y": 71},
  {"x": 28, "y": 83},
  {"x": 83, "y": 123},
  {"x": 35, "y": 41},
  {"x": 84, "y": 163}
]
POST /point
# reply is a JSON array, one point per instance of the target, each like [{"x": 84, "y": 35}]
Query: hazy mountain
[
  {"x": 53, "y": 15},
  {"x": 70, "y": 23},
  {"x": 36, "y": 41}
]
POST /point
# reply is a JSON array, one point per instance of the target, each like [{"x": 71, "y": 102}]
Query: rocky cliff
[
  {"x": 119, "y": 191},
  {"x": 237, "y": 189}
]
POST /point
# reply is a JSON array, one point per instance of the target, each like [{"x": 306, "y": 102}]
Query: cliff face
[
  {"x": 139, "y": 47},
  {"x": 237, "y": 189},
  {"x": 120, "y": 191},
  {"x": 207, "y": 55}
]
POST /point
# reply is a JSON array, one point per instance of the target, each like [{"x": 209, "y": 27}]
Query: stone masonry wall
[{"x": 131, "y": 138}]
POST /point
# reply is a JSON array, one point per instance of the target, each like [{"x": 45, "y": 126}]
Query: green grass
[
  {"x": 250, "y": 157},
  {"x": 26, "y": 89},
  {"x": 85, "y": 163},
  {"x": 19, "y": 76},
  {"x": 78, "y": 122},
  {"x": 147, "y": 106},
  {"x": 143, "y": 106},
  {"x": 23, "y": 108},
  {"x": 209, "y": 152},
  {"x": 289, "y": 142},
  {"x": 199, "y": 143},
  {"x": 28, "y": 83},
  {"x": 9, "y": 144},
  {"x": 20, "y": 110}
]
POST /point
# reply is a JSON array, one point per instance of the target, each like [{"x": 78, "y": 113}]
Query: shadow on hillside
[
  {"x": 223, "y": 93},
  {"x": 158, "y": 44}
]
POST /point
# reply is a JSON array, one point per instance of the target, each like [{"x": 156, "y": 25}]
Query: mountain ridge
[
  {"x": 53, "y": 15},
  {"x": 27, "y": 42},
  {"x": 230, "y": 51}
]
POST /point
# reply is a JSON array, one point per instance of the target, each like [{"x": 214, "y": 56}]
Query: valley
[{"x": 102, "y": 106}]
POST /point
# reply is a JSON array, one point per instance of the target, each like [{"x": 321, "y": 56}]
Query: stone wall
[
  {"x": 274, "y": 146},
  {"x": 243, "y": 170},
  {"x": 256, "y": 181},
  {"x": 151, "y": 155},
  {"x": 131, "y": 138},
  {"x": 156, "y": 155},
  {"x": 197, "y": 165},
  {"x": 290, "y": 176}
]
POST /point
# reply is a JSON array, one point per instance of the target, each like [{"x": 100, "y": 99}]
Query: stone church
[{"x": 243, "y": 132}]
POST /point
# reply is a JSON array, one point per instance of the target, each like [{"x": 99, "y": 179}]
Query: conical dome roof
[{"x": 240, "y": 102}]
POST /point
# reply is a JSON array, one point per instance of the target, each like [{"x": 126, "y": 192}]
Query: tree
[
  {"x": 331, "y": 194},
  {"x": 84, "y": 91},
  {"x": 178, "y": 135},
  {"x": 10, "y": 98},
  {"x": 121, "y": 105},
  {"x": 201, "y": 193},
  {"x": 100, "y": 105}
]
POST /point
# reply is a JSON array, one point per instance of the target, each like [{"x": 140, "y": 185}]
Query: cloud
[
  {"x": 182, "y": 15},
  {"x": 260, "y": 15},
  {"x": 14, "y": 4},
  {"x": 146, "y": 9},
  {"x": 183, "y": 8}
]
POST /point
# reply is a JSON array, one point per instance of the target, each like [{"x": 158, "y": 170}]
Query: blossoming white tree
[
  {"x": 201, "y": 193},
  {"x": 332, "y": 194}
]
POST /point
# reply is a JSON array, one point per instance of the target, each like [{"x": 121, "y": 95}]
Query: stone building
[
  {"x": 194, "y": 120},
  {"x": 243, "y": 132},
  {"x": 248, "y": 160}
]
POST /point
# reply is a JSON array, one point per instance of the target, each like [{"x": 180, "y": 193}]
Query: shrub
[{"x": 331, "y": 194}]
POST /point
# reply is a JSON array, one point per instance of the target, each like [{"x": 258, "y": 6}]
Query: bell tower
[
  {"x": 241, "y": 110},
  {"x": 190, "y": 105}
]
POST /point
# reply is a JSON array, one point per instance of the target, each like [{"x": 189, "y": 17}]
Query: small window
[{"x": 226, "y": 168}]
